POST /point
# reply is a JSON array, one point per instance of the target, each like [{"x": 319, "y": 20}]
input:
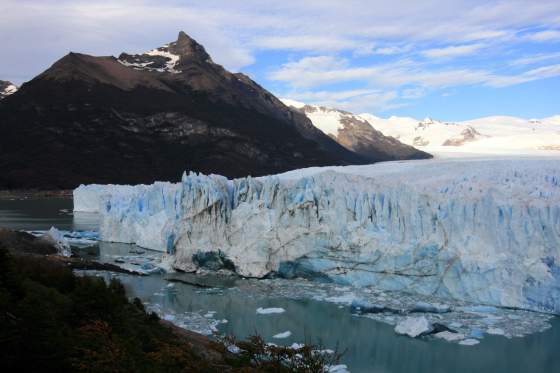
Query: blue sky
[{"x": 448, "y": 59}]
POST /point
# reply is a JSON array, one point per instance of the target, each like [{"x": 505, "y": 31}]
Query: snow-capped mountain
[
  {"x": 489, "y": 135},
  {"x": 146, "y": 117},
  {"x": 356, "y": 133},
  {"x": 7, "y": 88}
]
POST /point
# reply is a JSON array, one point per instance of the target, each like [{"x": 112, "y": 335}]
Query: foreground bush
[{"x": 52, "y": 320}]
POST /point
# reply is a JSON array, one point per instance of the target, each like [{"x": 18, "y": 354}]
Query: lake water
[{"x": 229, "y": 305}]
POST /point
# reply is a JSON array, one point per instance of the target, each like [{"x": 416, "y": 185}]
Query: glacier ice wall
[
  {"x": 141, "y": 214},
  {"x": 481, "y": 231},
  {"x": 88, "y": 198}
]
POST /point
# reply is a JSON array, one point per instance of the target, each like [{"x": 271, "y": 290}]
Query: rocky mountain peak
[
  {"x": 185, "y": 46},
  {"x": 170, "y": 57}
]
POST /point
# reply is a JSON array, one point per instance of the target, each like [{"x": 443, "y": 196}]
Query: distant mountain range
[
  {"x": 490, "y": 135},
  {"x": 144, "y": 117},
  {"x": 356, "y": 133}
]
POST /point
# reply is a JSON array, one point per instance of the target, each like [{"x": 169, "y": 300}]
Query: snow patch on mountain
[
  {"x": 173, "y": 59},
  {"x": 6, "y": 89},
  {"x": 328, "y": 120},
  {"x": 159, "y": 59},
  {"x": 293, "y": 103}
]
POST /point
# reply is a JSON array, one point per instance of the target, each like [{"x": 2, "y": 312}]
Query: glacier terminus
[{"x": 485, "y": 231}]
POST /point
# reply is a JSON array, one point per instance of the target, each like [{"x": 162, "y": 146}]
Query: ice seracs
[{"x": 480, "y": 230}]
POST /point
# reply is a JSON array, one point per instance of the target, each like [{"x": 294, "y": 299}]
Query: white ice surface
[
  {"x": 414, "y": 326},
  {"x": 282, "y": 335},
  {"x": 499, "y": 135},
  {"x": 269, "y": 311},
  {"x": 481, "y": 230}
]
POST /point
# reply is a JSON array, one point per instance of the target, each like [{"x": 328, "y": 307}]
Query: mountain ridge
[
  {"x": 356, "y": 133},
  {"x": 91, "y": 119},
  {"x": 497, "y": 134}
]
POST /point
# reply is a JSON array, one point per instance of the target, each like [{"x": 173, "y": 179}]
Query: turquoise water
[{"x": 371, "y": 346}]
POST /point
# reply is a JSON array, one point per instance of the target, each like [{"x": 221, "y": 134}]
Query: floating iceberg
[
  {"x": 483, "y": 231},
  {"x": 282, "y": 335},
  {"x": 469, "y": 342},
  {"x": 269, "y": 311},
  {"x": 450, "y": 337},
  {"x": 414, "y": 327}
]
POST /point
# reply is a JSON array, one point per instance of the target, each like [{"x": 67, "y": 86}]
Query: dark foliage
[{"x": 55, "y": 321}]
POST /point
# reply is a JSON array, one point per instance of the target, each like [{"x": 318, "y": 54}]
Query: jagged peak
[
  {"x": 169, "y": 57},
  {"x": 186, "y": 46}
]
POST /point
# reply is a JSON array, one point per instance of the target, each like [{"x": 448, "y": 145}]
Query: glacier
[{"x": 485, "y": 231}]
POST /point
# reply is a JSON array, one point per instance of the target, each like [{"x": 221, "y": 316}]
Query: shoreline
[{"x": 7, "y": 194}]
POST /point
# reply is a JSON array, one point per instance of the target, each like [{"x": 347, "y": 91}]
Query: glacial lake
[{"x": 230, "y": 305}]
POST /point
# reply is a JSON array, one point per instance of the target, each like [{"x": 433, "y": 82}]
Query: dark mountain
[
  {"x": 147, "y": 117},
  {"x": 357, "y": 134},
  {"x": 6, "y": 88}
]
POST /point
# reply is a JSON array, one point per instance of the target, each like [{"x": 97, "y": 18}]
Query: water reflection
[
  {"x": 43, "y": 213},
  {"x": 371, "y": 346}
]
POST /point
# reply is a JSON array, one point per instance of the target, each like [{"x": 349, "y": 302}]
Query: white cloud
[
  {"x": 414, "y": 78},
  {"x": 323, "y": 70},
  {"x": 413, "y": 93},
  {"x": 315, "y": 43},
  {"x": 543, "y": 72},
  {"x": 351, "y": 100},
  {"x": 453, "y": 51},
  {"x": 391, "y": 50},
  {"x": 535, "y": 59},
  {"x": 544, "y": 36}
]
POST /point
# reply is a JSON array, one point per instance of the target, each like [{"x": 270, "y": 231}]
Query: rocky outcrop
[{"x": 467, "y": 135}]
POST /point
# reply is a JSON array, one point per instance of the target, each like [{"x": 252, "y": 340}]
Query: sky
[{"x": 446, "y": 59}]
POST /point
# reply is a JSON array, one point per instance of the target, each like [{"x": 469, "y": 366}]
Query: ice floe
[
  {"x": 269, "y": 311},
  {"x": 282, "y": 335},
  {"x": 414, "y": 326}
]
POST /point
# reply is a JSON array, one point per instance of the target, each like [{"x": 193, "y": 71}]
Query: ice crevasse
[{"x": 486, "y": 231}]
